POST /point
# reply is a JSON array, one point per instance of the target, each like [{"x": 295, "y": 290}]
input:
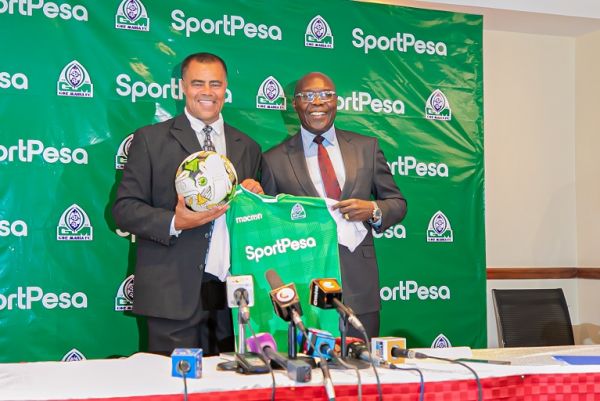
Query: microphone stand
[
  {"x": 343, "y": 334},
  {"x": 242, "y": 320},
  {"x": 292, "y": 341}
]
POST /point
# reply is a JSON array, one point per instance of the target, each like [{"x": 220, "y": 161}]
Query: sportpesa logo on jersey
[
  {"x": 131, "y": 15},
  {"x": 280, "y": 246}
]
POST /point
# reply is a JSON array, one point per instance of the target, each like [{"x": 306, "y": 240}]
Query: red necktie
[{"x": 330, "y": 182}]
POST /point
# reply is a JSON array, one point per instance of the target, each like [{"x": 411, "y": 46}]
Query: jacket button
[
  {"x": 206, "y": 235},
  {"x": 201, "y": 266}
]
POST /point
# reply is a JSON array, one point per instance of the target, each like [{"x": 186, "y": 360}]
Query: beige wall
[
  {"x": 587, "y": 134},
  {"x": 529, "y": 99}
]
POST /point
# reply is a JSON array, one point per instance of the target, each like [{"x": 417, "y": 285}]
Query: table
[{"x": 533, "y": 376}]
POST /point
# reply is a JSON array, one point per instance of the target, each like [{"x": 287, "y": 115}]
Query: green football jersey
[{"x": 295, "y": 236}]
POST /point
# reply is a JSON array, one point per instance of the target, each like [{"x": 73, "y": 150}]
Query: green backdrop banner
[{"x": 78, "y": 77}]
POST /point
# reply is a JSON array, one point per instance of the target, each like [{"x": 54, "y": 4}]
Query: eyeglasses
[{"x": 325, "y": 96}]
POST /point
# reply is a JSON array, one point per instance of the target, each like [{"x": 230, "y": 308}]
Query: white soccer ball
[{"x": 205, "y": 180}]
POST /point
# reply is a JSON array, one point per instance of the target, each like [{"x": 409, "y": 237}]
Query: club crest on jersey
[
  {"x": 318, "y": 34},
  {"x": 131, "y": 15},
  {"x": 298, "y": 212}
]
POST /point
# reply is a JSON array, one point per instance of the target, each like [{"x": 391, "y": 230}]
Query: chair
[{"x": 532, "y": 318}]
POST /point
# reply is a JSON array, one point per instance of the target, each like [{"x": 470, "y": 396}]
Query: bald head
[
  {"x": 316, "y": 76},
  {"x": 317, "y": 111}
]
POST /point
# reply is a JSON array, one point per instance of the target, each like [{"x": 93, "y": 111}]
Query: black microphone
[
  {"x": 285, "y": 300},
  {"x": 359, "y": 350},
  {"x": 326, "y": 293},
  {"x": 297, "y": 370},
  {"x": 407, "y": 353}
]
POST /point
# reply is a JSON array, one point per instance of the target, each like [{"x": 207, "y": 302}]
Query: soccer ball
[{"x": 206, "y": 180}]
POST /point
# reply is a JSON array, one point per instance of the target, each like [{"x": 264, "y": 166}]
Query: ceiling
[{"x": 551, "y": 17}]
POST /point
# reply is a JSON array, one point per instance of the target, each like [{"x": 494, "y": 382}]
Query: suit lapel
[
  {"x": 184, "y": 134},
  {"x": 350, "y": 156},
  {"x": 298, "y": 162},
  {"x": 233, "y": 149}
]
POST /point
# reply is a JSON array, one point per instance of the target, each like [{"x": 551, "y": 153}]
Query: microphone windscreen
[
  {"x": 260, "y": 341},
  {"x": 273, "y": 279}
]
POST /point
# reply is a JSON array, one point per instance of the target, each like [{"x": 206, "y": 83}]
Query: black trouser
[{"x": 209, "y": 328}]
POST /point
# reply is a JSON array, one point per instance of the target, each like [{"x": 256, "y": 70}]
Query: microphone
[
  {"x": 318, "y": 343},
  {"x": 387, "y": 349},
  {"x": 186, "y": 362},
  {"x": 359, "y": 350},
  {"x": 326, "y": 293},
  {"x": 285, "y": 300},
  {"x": 407, "y": 353},
  {"x": 240, "y": 293},
  {"x": 297, "y": 370}
]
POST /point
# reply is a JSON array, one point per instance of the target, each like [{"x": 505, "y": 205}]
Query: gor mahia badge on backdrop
[
  {"x": 441, "y": 341},
  {"x": 123, "y": 152},
  {"x": 298, "y": 212},
  {"x": 73, "y": 356},
  {"x": 439, "y": 229},
  {"x": 438, "y": 107},
  {"x": 74, "y": 225},
  {"x": 318, "y": 34},
  {"x": 132, "y": 15},
  {"x": 124, "y": 297},
  {"x": 74, "y": 80},
  {"x": 270, "y": 95}
]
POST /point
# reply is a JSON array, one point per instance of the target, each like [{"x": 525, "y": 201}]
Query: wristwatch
[{"x": 376, "y": 214}]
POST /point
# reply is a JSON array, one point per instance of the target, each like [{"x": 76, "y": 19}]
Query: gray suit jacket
[
  {"x": 367, "y": 177},
  {"x": 168, "y": 272}
]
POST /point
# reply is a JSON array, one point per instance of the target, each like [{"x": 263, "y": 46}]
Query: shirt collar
[
  {"x": 197, "y": 124},
  {"x": 307, "y": 137}
]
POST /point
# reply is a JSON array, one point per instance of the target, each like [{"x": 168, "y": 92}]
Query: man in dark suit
[
  {"x": 322, "y": 160},
  {"x": 185, "y": 306}
]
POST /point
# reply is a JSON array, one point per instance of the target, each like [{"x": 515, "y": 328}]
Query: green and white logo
[
  {"x": 270, "y": 95},
  {"x": 124, "y": 297},
  {"x": 74, "y": 80},
  {"x": 74, "y": 225},
  {"x": 73, "y": 356},
  {"x": 298, "y": 212},
  {"x": 438, "y": 107},
  {"x": 123, "y": 152},
  {"x": 439, "y": 229},
  {"x": 131, "y": 15},
  {"x": 318, "y": 34},
  {"x": 441, "y": 341}
]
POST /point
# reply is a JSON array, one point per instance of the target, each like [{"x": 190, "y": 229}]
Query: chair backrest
[{"x": 532, "y": 318}]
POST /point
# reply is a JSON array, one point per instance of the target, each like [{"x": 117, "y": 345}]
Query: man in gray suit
[
  {"x": 321, "y": 160},
  {"x": 184, "y": 305}
]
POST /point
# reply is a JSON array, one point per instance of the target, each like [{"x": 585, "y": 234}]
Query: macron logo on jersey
[{"x": 250, "y": 217}]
